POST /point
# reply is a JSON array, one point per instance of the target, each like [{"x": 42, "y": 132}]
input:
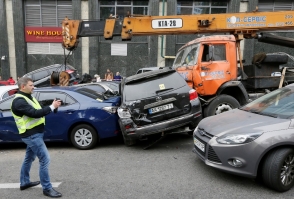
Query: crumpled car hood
[{"x": 238, "y": 121}]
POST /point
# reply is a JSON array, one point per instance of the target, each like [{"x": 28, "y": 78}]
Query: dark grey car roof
[
  {"x": 50, "y": 67},
  {"x": 148, "y": 74}
]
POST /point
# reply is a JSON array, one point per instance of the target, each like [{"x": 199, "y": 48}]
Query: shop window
[
  {"x": 201, "y": 7},
  {"x": 121, "y": 8},
  {"x": 275, "y": 5}
]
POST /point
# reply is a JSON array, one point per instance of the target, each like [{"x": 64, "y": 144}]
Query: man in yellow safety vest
[{"x": 30, "y": 121}]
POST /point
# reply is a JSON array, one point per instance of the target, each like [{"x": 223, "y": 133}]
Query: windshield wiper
[{"x": 166, "y": 89}]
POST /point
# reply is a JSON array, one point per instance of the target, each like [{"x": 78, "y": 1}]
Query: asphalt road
[{"x": 168, "y": 170}]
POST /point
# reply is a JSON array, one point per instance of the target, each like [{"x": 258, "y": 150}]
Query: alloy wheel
[{"x": 287, "y": 170}]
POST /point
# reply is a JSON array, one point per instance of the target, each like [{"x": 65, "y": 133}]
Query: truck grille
[{"x": 211, "y": 156}]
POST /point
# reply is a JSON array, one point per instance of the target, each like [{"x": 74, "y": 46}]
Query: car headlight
[
  {"x": 237, "y": 138},
  {"x": 123, "y": 113}
]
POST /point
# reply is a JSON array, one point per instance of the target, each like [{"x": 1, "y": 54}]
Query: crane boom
[{"x": 240, "y": 24}]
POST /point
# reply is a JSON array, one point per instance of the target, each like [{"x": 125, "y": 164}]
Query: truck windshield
[{"x": 187, "y": 56}]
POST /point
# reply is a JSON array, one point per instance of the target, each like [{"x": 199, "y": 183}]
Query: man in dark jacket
[{"x": 29, "y": 117}]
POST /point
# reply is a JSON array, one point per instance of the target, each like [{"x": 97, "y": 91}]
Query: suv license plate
[
  {"x": 199, "y": 145},
  {"x": 160, "y": 108}
]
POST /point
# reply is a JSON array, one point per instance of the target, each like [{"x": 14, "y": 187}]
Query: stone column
[
  {"x": 85, "y": 40},
  {"x": 77, "y": 53},
  {"x": 4, "y": 52}
]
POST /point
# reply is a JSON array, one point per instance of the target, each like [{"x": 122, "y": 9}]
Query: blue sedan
[{"x": 85, "y": 116}]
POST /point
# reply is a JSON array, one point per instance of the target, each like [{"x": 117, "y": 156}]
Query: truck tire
[
  {"x": 278, "y": 169},
  {"x": 221, "y": 104}
]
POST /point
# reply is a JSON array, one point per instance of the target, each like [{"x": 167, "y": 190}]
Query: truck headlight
[
  {"x": 237, "y": 138},
  {"x": 123, "y": 113}
]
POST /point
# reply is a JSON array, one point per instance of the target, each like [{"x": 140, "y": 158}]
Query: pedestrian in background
[
  {"x": 30, "y": 121},
  {"x": 97, "y": 77},
  {"x": 108, "y": 75},
  {"x": 11, "y": 81},
  {"x": 117, "y": 77}
]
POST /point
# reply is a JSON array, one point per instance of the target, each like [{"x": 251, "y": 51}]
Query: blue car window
[
  {"x": 69, "y": 100},
  {"x": 46, "y": 98}
]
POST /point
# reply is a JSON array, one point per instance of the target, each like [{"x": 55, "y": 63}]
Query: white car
[{"x": 6, "y": 91}]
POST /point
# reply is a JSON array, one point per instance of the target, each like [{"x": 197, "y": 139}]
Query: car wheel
[
  {"x": 84, "y": 136},
  {"x": 278, "y": 169},
  {"x": 221, "y": 104},
  {"x": 128, "y": 141}
]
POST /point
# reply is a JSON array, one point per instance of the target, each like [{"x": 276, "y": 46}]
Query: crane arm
[{"x": 239, "y": 24}]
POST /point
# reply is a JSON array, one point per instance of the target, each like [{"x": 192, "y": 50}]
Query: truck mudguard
[{"x": 235, "y": 89}]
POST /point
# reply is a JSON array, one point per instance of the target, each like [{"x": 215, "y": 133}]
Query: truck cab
[{"x": 209, "y": 65}]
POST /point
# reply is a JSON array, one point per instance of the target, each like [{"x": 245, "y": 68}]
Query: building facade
[{"x": 30, "y": 34}]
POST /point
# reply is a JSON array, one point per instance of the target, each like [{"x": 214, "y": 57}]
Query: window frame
[
  {"x": 41, "y": 6},
  {"x": 201, "y": 6},
  {"x": 262, "y": 4},
  {"x": 116, "y": 5}
]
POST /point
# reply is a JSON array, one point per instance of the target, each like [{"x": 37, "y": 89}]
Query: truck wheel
[
  {"x": 84, "y": 136},
  {"x": 128, "y": 141},
  {"x": 278, "y": 169},
  {"x": 221, "y": 104}
]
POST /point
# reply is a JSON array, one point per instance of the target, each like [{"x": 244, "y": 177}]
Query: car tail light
[
  {"x": 193, "y": 94},
  {"x": 110, "y": 109},
  {"x": 75, "y": 82}
]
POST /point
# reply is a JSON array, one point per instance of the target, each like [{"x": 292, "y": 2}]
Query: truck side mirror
[{"x": 211, "y": 52}]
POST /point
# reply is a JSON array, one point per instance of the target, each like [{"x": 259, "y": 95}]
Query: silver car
[{"x": 256, "y": 140}]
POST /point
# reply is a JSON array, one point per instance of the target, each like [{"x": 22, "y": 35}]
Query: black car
[{"x": 157, "y": 102}]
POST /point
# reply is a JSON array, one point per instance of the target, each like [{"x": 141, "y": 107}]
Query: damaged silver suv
[{"x": 157, "y": 102}]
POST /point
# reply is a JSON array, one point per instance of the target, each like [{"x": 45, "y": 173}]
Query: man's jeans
[{"x": 36, "y": 147}]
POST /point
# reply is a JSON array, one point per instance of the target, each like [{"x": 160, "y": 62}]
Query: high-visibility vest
[{"x": 23, "y": 123}]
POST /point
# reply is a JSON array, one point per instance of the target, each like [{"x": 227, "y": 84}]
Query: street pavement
[{"x": 167, "y": 170}]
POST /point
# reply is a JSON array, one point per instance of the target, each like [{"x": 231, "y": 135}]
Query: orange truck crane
[{"x": 211, "y": 64}]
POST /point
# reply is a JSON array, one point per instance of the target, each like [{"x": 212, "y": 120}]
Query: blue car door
[{"x": 57, "y": 124}]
